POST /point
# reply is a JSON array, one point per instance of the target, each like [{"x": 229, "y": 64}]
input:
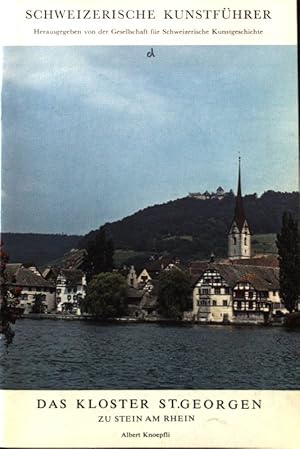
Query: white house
[
  {"x": 70, "y": 289},
  {"x": 29, "y": 285},
  {"x": 236, "y": 293}
]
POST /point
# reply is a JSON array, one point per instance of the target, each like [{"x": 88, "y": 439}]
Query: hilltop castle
[{"x": 219, "y": 194}]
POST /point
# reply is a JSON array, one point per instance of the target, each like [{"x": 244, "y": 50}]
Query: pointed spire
[
  {"x": 239, "y": 190},
  {"x": 239, "y": 213}
]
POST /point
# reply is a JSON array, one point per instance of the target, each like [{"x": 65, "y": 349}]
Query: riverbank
[{"x": 145, "y": 320}]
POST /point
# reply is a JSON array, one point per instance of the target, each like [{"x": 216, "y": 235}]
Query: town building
[
  {"x": 130, "y": 275},
  {"x": 232, "y": 293},
  {"x": 29, "y": 286},
  {"x": 241, "y": 288},
  {"x": 70, "y": 289}
]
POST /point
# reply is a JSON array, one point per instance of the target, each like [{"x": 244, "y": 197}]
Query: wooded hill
[
  {"x": 37, "y": 248},
  {"x": 192, "y": 228},
  {"x": 186, "y": 227}
]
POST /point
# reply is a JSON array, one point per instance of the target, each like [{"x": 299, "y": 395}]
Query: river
[{"x": 50, "y": 354}]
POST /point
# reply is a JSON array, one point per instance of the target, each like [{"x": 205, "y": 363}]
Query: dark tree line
[
  {"x": 160, "y": 228},
  {"x": 106, "y": 296},
  {"x": 174, "y": 294},
  {"x": 288, "y": 243},
  {"x": 100, "y": 254}
]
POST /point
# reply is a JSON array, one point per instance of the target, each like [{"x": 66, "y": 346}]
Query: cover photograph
[{"x": 150, "y": 243}]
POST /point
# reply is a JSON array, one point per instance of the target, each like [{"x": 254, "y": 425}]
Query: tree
[
  {"x": 288, "y": 244},
  {"x": 106, "y": 296},
  {"x": 100, "y": 253},
  {"x": 39, "y": 303},
  {"x": 9, "y": 311},
  {"x": 174, "y": 293}
]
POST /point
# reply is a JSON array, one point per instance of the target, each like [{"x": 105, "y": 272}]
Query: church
[
  {"x": 239, "y": 237},
  {"x": 239, "y": 289}
]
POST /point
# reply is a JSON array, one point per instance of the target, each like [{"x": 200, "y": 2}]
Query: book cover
[{"x": 149, "y": 165}]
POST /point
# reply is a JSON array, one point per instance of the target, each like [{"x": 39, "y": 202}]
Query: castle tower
[{"x": 239, "y": 237}]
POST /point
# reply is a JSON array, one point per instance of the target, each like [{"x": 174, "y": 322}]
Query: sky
[{"x": 93, "y": 134}]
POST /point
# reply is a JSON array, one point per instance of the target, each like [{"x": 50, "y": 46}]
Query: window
[
  {"x": 274, "y": 292},
  {"x": 75, "y": 289},
  {"x": 245, "y": 241},
  {"x": 250, "y": 304},
  {"x": 69, "y": 290},
  {"x": 214, "y": 303},
  {"x": 225, "y": 302},
  {"x": 227, "y": 290},
  {"x": 234, "y": 240},
  {"x": 239, "y": 294},
  {"x": 58, "y": 291},
  {"x": 69, "y": 297},
  {"x": 205, "y": 291},
  {"x": 250, "y": 294},
  {"x": 217, "y": 291}
]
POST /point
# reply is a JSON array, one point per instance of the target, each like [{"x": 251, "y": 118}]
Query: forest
[
  {"x": 186, "y": 227},
  {"x": 192, "y": 228}
]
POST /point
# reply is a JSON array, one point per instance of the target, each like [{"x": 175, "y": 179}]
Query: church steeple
[
  {"x": 239, "y": 237},
  {"x": 239, "y": 212}
]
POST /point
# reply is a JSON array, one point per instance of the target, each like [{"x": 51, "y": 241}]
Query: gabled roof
[
  {"x": 259, "y": 261},
  {"x": 261, "y": 278},
  {"x": 260, "y": 283},
  {"x": 198, "y": 267},
  {"x": 159, "y": 264},
  {"x": 76, "y": 259},
  {"x": 19, "y": 276},
  {"x": 73, "y": 277},
  {"x": 50, "y": 273}
]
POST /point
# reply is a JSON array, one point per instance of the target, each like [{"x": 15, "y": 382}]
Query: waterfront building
[
  {"x": 30, "y": 284},
  {"x": 70, "y": 289},
  {"x": 228, "y": 292}
]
